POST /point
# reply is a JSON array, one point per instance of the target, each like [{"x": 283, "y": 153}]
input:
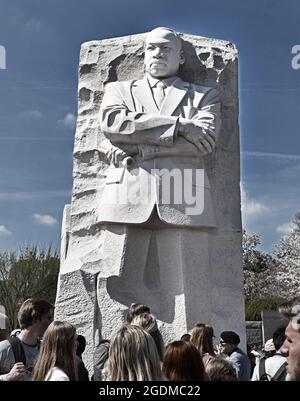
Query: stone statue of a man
[{"x": 158, "y": 130}]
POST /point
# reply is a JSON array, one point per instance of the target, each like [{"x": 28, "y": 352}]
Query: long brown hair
[
  {"x": 56, "y": 351},
  {"x": 202, "y": 338},
  {"x": 183, "y": 362}
]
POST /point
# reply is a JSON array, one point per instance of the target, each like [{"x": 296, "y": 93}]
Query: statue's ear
[{"x": 182, "y": 58}]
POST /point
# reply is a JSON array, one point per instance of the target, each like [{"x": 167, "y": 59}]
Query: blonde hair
[
  {"x": 132, "y": 356},
  {"x": 56, "y": 351},
  {"x": 148, "y": 322}
]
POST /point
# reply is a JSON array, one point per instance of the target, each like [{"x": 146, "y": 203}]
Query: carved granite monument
[{"x": 155, "y": 213}]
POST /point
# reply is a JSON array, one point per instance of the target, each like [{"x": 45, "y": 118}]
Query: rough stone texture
[
  {"x": 209, "y": 62},
  {"x": 254, "y": 334}
]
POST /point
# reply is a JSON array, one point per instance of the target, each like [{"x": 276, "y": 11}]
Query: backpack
[
  {"x": 264, "y": 376},
  {"x": 17, "y": 349}
]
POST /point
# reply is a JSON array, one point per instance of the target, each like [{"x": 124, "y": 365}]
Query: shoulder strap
[
  {"x": 262, "y": 369},
  {"x": 280, "y": 371},
  {"x": 17, "y": 349}
]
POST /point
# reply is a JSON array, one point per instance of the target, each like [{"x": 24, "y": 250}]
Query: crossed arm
[{"x": 169, "y": 135}]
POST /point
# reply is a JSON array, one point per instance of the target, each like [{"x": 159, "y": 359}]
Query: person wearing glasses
[{"x": 229, "y": 342}]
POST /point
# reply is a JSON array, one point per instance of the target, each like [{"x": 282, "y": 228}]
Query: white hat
[{"x": 269, "y": 345}]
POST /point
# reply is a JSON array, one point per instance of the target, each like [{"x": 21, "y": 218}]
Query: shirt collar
[{"x": 153, "y": 81}]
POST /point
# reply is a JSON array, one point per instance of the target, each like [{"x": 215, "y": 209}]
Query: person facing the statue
[{"x": 157, "y": 131}]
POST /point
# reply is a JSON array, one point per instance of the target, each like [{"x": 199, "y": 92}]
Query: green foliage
[
  {"x": 256, "y": 306},
  {"x": 29, "y": 273}
]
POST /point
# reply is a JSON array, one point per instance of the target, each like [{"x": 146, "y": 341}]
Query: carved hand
[
  {"x": 116, "y": 155},
  {"x": 199, "y": 133}
]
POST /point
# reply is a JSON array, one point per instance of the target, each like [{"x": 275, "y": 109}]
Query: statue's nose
[{"x": 158, "y": 52}]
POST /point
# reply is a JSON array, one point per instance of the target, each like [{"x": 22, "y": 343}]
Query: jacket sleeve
[
  {"x": 206, "y": 110},
  {"x": 209, "y": 110},
  {"x": 121, "y": 125}
]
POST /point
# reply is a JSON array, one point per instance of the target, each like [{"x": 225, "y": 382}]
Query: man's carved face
[{"x": 163, "y": 54}]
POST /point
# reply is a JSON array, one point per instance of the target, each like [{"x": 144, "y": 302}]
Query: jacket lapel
[
  {"x": 141, "y": 91},
  {"x": 174, "y": 97}
]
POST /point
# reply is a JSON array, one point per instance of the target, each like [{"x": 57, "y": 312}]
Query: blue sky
[{"x": 38, "y": 92}]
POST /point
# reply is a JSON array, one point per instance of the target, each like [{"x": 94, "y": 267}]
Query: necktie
[{"x": 159, "y": 93}]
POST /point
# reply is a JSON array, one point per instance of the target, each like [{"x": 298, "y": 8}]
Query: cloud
[
  {"x": 272, "y": 157},
  {"x": 31, "y": 114},
  {"x": 69, "y": 120},
  {"x": 34, "y": 25},
  {"x": 285, "y": 228},
  {"x": 20, "y": 195},
  {"x": 4, "y": 231},
  {"x": 252, "y": 207},
  {"x": 44, "y": 219}
]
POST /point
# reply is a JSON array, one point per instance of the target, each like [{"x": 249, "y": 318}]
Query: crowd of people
[{"x": 46, "y": 350}]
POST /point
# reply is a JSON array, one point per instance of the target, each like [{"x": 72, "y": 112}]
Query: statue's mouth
[{"x": 158, "y": 64}]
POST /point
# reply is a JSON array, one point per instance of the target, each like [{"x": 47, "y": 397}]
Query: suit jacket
[{"x": 165, "y": 166}]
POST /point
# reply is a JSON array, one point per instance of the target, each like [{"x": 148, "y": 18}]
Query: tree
[
  {"x": 29, "y": 273},
  {"x": 288, "y": 254},
  {"x": 259, "y": 269},
  {"x": 255, "y": 260}
]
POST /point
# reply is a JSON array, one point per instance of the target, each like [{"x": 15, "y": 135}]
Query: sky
[{"x": 38, "y": 102}]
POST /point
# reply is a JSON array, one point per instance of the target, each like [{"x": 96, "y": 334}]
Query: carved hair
[
  {"x": 132, "y": 356},
  {"x": 174, "y": 33},
  {"x": 57, "y": 350}
]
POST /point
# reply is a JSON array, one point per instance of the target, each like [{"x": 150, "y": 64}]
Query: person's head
[
  {"x": 135, "y": 310},
  {"x": 229, "y": 341},
  {"x": 185, "y": 337},
  {"x": 149, "y": 323},
  {"x": 133, "y": 356},
  {"x": 81, "y": 344},
  {"x": 183, "y": 362},
  {"x": 202, "y": 338},
  {"x": 269, "y": 348},
  {"x": 58, "y": 350},
  {"x": 218, "y": 369},
  {"x": 163, "y": 53},
  {"x": 4, "y": 327},
  {"x": 291, "y": 311},
  {"x": 35, "y": 315},
  {"x": 279, "y": 338}
]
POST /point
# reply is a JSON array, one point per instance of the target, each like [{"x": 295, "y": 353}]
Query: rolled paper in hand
[{"x": 127, "y": 161}]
